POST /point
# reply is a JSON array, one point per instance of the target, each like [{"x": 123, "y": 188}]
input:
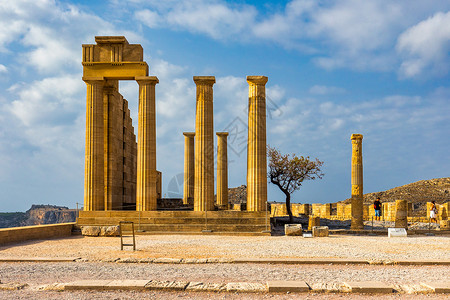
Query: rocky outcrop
[{"x": 38, "y": 215}]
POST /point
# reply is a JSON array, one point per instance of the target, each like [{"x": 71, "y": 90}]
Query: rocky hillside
[
  {"x": 419, "y": 193},
  {"x": 237, "y": 195},
  {"x": 38, "y": 215}
]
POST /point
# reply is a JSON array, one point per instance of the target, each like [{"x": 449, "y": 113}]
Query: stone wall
[{"x": 20, "y": 234}]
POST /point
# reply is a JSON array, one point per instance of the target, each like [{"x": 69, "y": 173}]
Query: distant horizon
[{"x": 278, "y": 201}]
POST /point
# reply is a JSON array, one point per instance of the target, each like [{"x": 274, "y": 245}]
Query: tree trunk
[{"x": 288, "y": 207}]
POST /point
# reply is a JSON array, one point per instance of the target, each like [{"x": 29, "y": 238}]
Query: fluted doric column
[
  {"x": 204, "y": 145},
  {"x": 146, "y": 153},
  {"x": 256, "y": 148},
  {"x": 222, "y": 170},
  {"x": 93, "y": 173},
  {"x": 357, "y": 182},
  {"x": 189, "y": 168}
]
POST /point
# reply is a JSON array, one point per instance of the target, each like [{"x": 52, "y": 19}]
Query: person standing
[
  {"x": 433, "y": 212},
  {"x": 377, "y": 208}
]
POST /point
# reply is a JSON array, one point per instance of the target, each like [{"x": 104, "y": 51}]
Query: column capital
[
  {"x": 146, "y": 80},
  {"x": 222, "y": 133},
  {"x": 204, "y": 80},
  {"x": 357, "y": 136},
  {"x": 258, "y": 80},
  {"x": 189, "y": 134}
]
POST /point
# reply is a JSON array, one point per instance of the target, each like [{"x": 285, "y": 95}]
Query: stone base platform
[{"x": 226, "y": 222}]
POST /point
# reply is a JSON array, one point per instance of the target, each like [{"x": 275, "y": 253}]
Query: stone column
[
  {"x": 222, "y": 170},
  {"x": 146, "y": 153},
  {"x": 401, "y": 211},
  {"x": 93, "y": 174},
  {"x": 256, "y": 148},
  {"x": 189, "y": 168},
  {"x": 357, "y": 182},
  {"x": 204, "y": 145}
]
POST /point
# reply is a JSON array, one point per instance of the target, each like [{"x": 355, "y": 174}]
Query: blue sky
[{"x": 379, "y": 68}]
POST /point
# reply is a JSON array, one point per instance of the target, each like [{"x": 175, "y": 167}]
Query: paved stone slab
[
  {"x": 368, "y": 287},
  {"x": 325, "y": 287},
  {"x": 87, "y": 285},
  {"x": 421, "y": 262},
  {"x": 438, "y": 287},
  {"x": 167, "y": 285},
  {"x": 12, "y": 286},
  {"x": 127, "y": 284},
  {"x": 206, "y": 286},
  {"x": 283, "y": 286},
  {"x": 321, "y": 261},
  {"x": 38, "y": 259},
  {"x": 412, "y": 289},
  {"x": 165, "y": 260},
  {"x": 246, "y": 287}
]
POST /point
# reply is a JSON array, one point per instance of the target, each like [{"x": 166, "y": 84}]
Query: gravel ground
[
  {"x": 185, "y": 246},
  {"x": 46, "y": 273},
  {"x": 97, "y": 251}
]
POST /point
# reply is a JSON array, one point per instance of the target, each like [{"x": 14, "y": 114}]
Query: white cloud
[
  {"x": 3, "y": 69},
  {"x": 51, "y": 101},
  {"x": 358, "y": 35},
  {"x": 426, "y": 45},
  {"x": 326, "y": 90},
  {"x": 148, "y": 17}
]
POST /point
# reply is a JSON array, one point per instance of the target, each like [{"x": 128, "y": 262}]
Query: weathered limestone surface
[
  {"x": 110, "y": 163},
  {"x": 313, "y": 221},
  {"x": 357, "y": 182},
  {"x": 93, "y": 178},
  {"x": 146, "y": 155},
  {"x": 256, "y": 147},
  {"x": 320, "y": 231},
  {"x": 189, "y": 168},
  {"x": 401, "y": 218},
  {"x": 293, "y": 229},
  {"x": 204, "y": 145},
  {"x": 222, "y": 170},
  {"x": 283, "y": 286}
]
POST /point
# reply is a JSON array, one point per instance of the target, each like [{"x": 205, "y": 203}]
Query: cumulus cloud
[
  {"x": 215, "y": 19},
  {"x": 426, "y": 45},
  {"x": 326, "y": 90},
  {"x": 359, "y": 35}
]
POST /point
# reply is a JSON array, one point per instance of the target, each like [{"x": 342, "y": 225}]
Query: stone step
[
  {"x": 171, "y": 214},
  {"x": 190, "y": 220},
  {"x": 200, "y": 228}
]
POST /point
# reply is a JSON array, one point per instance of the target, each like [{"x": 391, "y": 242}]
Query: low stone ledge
[
  {"x": 367, "y": 287},
  {"x": 246, "y": 287},
  {"x": 299, "y": 261},
  {"x": 100, "y": 230},
  {"x": 12, "y": 286},
  {"x": 166, "y": 260},
  {"x": 167, "y": 285},
  {"x": 206, "y": 287},
  {"x": 39, "y": 259},
  {"x": 325, "y": 287},
  {"x": 283, "y": 286},
  {"x": 438, "y": 287},
  {"x": 127, "y": 284},
  {"x": 87, "y": 285}
]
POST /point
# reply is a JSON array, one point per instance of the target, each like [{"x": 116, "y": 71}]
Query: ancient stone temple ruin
[{"x": 121, "y": 179}]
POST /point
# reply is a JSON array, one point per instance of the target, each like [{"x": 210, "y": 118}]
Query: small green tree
[{"x": 288, "y": 173}]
